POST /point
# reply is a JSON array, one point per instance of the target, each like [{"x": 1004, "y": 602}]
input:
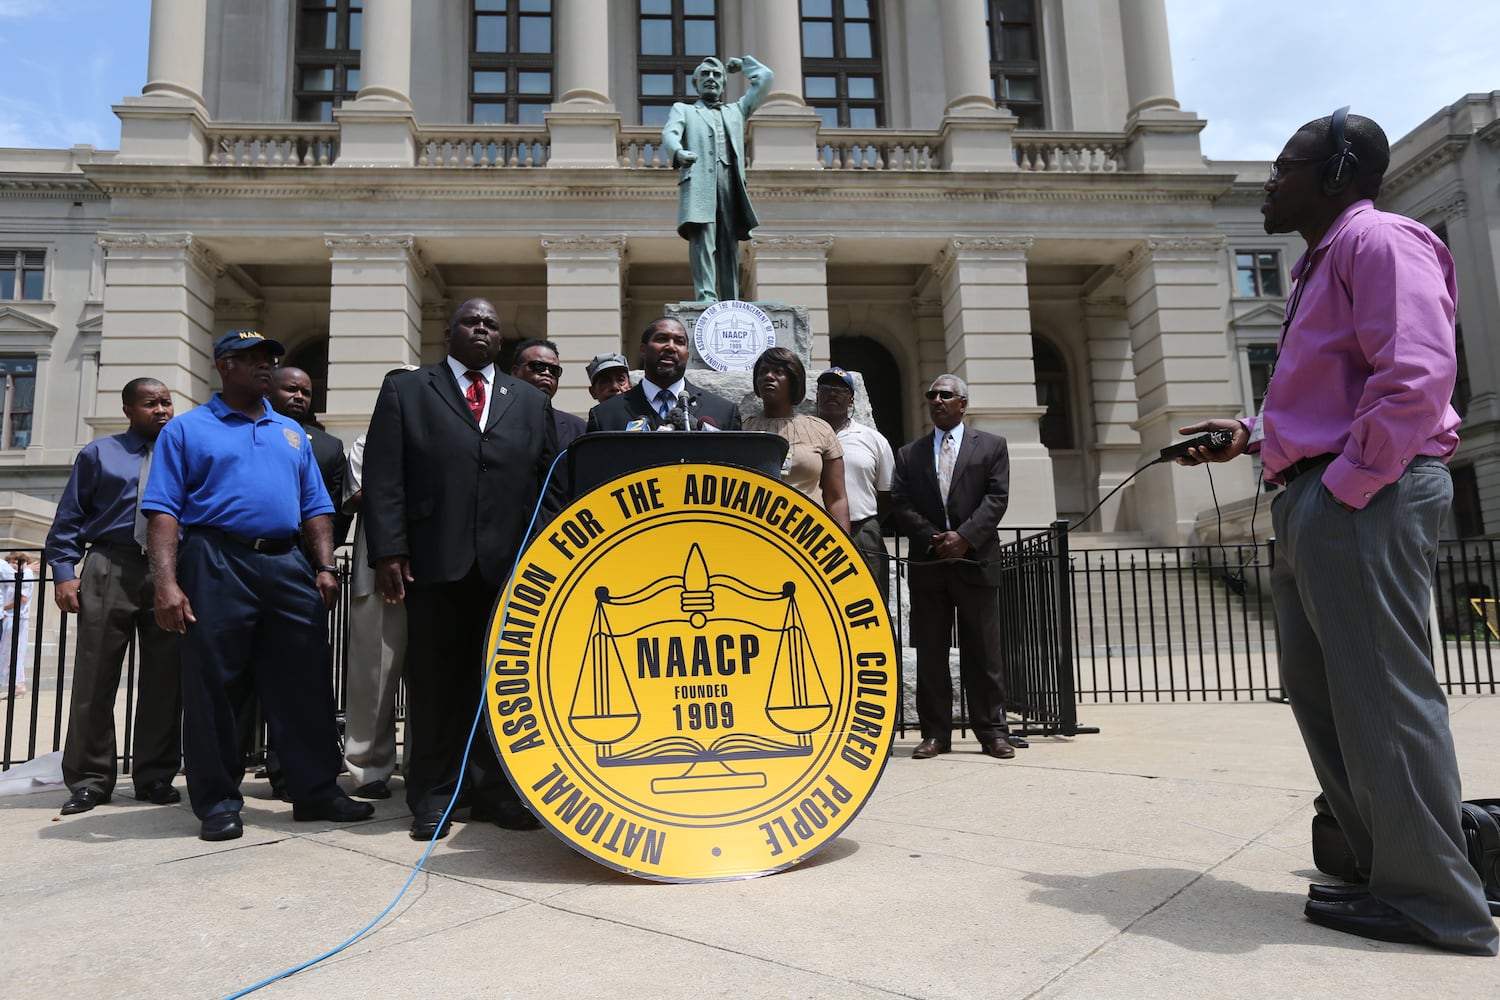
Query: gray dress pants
[{"x": 1352, "y": 591}]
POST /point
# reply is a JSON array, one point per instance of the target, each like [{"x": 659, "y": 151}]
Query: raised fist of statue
[{"x": 734, "y": 64}]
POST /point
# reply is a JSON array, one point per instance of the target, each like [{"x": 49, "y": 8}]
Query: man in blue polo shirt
[{"x": 236, "y": 481}]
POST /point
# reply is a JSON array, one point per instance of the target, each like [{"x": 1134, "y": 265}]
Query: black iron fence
[
  {"x": 1174, "y": 623},
  {"x": 1151, "y": 623},
  {"x": 1036, "y": 627},
  {"x": 36, "y": 663}
]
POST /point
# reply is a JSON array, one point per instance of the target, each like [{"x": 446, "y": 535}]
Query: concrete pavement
[{"x": 1166, "y": 856}]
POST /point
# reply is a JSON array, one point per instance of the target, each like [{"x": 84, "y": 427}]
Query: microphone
[
  {"x": 1213, "y": 441},
  {"x": 679, "y": 416}
]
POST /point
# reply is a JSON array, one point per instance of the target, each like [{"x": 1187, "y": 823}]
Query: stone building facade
[{"x": 341, "y": 174}]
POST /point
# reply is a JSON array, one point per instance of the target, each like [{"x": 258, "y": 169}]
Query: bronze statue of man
[{"x": 705, "y": 140}]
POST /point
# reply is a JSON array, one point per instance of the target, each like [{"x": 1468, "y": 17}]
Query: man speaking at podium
[{"x": 656, "y": 401}]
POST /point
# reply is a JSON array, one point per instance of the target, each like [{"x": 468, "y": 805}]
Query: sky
[{"x": 1255, "y": 71}]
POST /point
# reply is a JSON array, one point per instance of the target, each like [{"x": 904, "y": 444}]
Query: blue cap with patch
[
  {"x": 243, "y": 340},
  {"x": 839, "y": 376}
]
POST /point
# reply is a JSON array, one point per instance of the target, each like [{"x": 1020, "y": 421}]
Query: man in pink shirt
[{"x": 1357, "y": 426}]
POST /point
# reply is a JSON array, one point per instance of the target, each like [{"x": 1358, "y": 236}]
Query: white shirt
[
  {"x": 868, "y": 467},
  {"x": 460, "y": 375}
]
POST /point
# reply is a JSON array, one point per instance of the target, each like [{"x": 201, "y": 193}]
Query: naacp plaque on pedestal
[{"x": 692, "y": 676}]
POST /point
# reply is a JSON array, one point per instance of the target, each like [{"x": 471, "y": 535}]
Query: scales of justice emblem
[{"x": 605, "y": 712}]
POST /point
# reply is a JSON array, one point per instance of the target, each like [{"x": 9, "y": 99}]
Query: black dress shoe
[
  {"x": 222, "y": 826},
  {"x": 1367, "y": 917},
  {"x": 372, "y": 790},
  {"x": 998, "y": 746},
  {"x": 159, "y": 792},
  {"x": 928, "y": 749},
  {"x": 1338, "y": 892},
  {"x": 427, "y": 827},
  {"x": 506, "y": 815},
  {"x": 338, "y": 809},
  {"x": 83, "y": 800}
]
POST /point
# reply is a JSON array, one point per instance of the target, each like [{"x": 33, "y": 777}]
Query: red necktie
[{"x": 475, "y": 395}]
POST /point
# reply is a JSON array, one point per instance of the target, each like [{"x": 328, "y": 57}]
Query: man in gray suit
[{"x": 705, "y": 140}]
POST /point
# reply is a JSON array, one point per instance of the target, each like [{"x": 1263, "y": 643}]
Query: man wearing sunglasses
[
  {"x": 1357, "y": 425},
  {"x": 948, "y": 493},
  {"x": 537, "y": 362}
]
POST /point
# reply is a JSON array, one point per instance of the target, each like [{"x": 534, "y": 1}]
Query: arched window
[{"x": 1052, "y": 391}]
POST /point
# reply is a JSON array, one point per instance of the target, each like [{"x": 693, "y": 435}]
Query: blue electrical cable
[{"x": 473, "y": 728}]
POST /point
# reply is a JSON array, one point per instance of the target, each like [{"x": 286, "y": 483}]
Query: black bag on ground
[
  {"x": 1330, "y": 849},
  {"x": 1479, "y": 820}
]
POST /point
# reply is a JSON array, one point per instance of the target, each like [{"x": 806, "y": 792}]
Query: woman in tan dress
[{"x": 815, "y": 459}]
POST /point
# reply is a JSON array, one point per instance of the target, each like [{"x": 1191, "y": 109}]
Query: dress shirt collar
[
  {"x": 958, "y": 438},
  {"x": 458, "y": 370},
  {"x": 1304, "y": 263},
  {"x": 653, "y": 391}
]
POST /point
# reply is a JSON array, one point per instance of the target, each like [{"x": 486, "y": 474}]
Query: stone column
[
  {"x": 374, "y": 322},
  {"x": 1174, "y": 303},
  {"x": 378, "y": 128},
  {"x": 976, "y": 135},
  {"x": 1478, "y": 311},
  {"x": 583, "y": 126},
  {"x": 174, "y": 61},
  {"x": 1148, "y": 56},
  {"x": 165, "y": 124},
  {"x": 585, "y": 280},
  {"x": 785, "y": 129},
  {"x": 987, "y": 342},
  {"x": 158, "y": 320},
  {"x": 1117, "y": 445},
  {"x": 794, "y": 270},
  {"x": 1161, "y": 135}
]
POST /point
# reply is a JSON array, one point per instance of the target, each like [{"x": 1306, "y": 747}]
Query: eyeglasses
[
  {"x": 834, "y": 390},
  {"x": 1280, "y": 167},
  {"x": 942, "y": 394},
  {"x": 544, "y": 366}
]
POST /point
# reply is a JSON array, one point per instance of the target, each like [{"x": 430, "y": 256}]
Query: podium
[{"x": 600, "y": 457}]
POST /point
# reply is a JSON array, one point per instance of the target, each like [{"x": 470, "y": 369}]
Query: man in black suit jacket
[
  {"x": 457, "y": 455},
  {"x": 291, "y": 396},
  {"x": 664, "y": 359},
  {"x": 952, "y": 529}
]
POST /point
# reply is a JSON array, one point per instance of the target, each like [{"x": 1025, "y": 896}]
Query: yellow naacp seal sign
[{"x": 692, "y": 675}]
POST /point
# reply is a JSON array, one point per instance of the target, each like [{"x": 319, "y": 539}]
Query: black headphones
[{"x": 1340, "y": 168}]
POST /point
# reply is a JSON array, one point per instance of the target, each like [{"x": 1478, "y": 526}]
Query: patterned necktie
[
  {"x": 475, "y": 395},
  {"x": 664, "y": 403},
  {"x": 947, "y": 454},
  {"x": 140, "y": 491}
]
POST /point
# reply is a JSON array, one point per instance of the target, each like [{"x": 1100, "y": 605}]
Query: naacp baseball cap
[
  {"x": 243, "y": 340},
  {"x": 838, "y": 375}
]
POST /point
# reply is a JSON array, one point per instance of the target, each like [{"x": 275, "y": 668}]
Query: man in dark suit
[
  {"x": 463, "y": 451},
  {"x": 949, "y": 491},
  {"x": 291, "y": 396},
  {"x": 651, "y": 402}
]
